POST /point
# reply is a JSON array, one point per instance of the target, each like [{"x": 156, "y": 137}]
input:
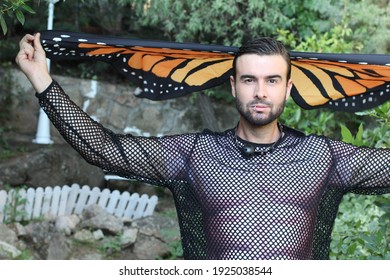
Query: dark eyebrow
[
  {"x": 274, "y": 76},
  {"x": 246, "y": 76}
]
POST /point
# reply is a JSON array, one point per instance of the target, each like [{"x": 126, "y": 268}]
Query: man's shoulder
[
  {"x": 293, "y": 132},
  {"x": 208, "y": 132},
  {"x": 297, "y": 137}
]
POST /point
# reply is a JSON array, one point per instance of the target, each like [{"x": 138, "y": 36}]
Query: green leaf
[
  {"x": 359, "y": 134},
  {"x": 360, "y": 241},
  {"x": 384, "y": 218},
  {"x": 346, "y": 134},
  {"x": 352, "y": 248},
  {"x": 379, "y": 237},
  {"x": 3, "y": 25},
  {"x": 383, "y": 203},
  {"x": 28, "y": 9},
  {"x": 20, "y": 16}
]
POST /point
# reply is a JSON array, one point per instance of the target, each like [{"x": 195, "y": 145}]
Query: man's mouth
[{"x": 259, "y": 106}]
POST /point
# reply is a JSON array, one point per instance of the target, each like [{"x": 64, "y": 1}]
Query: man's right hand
[{"x": 31, "y": 59}]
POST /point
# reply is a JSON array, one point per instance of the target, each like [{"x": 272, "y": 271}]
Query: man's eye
[
  {"x": 272, "y": 81},
  {"x": 248, "y": 80}
]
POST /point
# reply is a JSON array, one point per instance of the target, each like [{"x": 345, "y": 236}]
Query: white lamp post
[{"x": 43, "y": 129}]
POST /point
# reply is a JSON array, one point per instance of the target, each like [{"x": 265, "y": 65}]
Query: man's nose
[{"x": 260, "y": 91}]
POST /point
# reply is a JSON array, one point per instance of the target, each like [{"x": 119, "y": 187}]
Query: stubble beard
[{"x": 259, "y": 119}]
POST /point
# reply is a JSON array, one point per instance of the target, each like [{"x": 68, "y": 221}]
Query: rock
[
  {"x": 47, "y": 241},
  {"x": 7, "y": 235},
  {"x": 8, "y": 251},
  {"x": 59, "y": 160},
  {"x": 67, "y": 224},
  {"x": 148, "y": 247},
  {"x": 38, "y": 232},
  {"x": 79, "y": 237},
  {"x": 84, "y": 235},
  {"x": 98, "y": 234},
  {"x": 91, "y": 256},
  {"x": 58, "y": 247},
  {"x": 148, "y": 226},
  {"x": 18, "y": 229},
  {"x": 95, "y": 217},
  {"x": 128, "y": 237}
]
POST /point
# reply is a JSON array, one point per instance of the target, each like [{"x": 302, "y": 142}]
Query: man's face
[{"x": 260, "y": 87}]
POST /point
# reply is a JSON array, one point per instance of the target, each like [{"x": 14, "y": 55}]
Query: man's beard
[{"x": 245, "y": 112}]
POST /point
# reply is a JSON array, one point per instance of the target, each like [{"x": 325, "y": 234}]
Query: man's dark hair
[{"x": 264, "y": 46}]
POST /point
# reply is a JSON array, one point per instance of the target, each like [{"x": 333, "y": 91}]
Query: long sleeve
[
  {"x": 362, "y": 170},
  {"x": 126, "y": 155}
]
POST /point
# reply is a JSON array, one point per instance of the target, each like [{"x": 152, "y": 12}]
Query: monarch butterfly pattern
[{"x": 164, "y": 70}]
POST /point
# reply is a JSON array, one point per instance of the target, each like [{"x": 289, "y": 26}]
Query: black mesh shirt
[{"x": 278, "y": 204}]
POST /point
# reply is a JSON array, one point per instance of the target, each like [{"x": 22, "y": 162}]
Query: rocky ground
[{"x": 94, "y": 234}]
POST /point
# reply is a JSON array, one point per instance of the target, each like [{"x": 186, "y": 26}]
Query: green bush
[{"x": 361, "y": 229}]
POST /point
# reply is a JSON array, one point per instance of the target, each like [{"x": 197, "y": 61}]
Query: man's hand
[{"x": 32, "y": 61}]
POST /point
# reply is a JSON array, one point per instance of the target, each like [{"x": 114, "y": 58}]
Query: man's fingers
[
  {"x": 26, "y": 47},
  {"x": 37, "y": 43},
  {"x": 24, "y": 53},
  {"x": 27, "y": 39},
  {"x": 31, "y": 48}
]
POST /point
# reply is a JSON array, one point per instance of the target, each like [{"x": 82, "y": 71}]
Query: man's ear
[
  {"x": 233, "y": 86},
  {"x": 288, "y": 89}
]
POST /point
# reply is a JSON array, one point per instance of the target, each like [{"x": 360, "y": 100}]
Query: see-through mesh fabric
[{"x": 278, "y": 204}]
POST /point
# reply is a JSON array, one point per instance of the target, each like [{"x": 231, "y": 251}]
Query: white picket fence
[{"x": 51, "y": 202}]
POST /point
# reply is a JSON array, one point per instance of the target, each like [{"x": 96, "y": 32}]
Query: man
[{"x": 256, "y": 191}]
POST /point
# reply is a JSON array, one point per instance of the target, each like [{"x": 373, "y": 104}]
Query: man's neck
[{"x": 266, "y": 134}]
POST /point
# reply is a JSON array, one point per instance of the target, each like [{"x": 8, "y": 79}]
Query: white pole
[{"x": 43, "y": 130}]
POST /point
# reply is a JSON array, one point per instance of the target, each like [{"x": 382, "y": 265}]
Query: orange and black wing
[
  {"x": 161, "y": 70},
  {"x": 348, "y": 82},
  {"x": 164, "y": 70}
]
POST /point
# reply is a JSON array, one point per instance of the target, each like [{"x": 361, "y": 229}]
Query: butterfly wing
[
  {"x": 164, "y": 70},
  {"x": 348, "y": 82},
  {"x": 161, "y": 70}
]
